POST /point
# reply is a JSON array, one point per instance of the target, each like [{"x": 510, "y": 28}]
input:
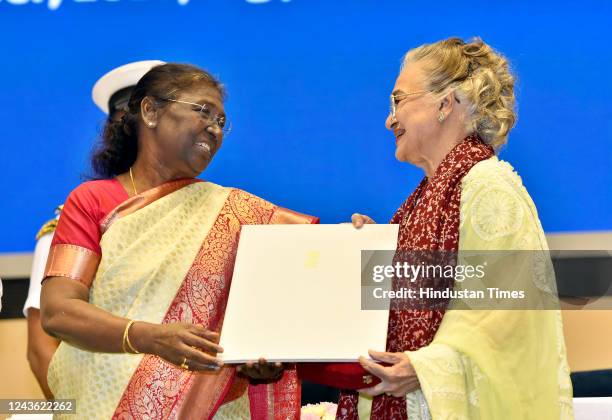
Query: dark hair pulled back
[{"x": 117, "y": 150}]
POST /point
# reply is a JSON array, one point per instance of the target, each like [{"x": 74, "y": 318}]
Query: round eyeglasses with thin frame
[
  {"x": 396, "y": 98},
  {"x": 399, "y": 97},
  {"x": 206, "y": 114}
]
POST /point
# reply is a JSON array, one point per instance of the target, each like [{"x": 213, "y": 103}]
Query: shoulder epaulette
[{"x": 50, "y": 226}]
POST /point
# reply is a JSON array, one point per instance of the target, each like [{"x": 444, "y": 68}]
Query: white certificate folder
[{"x": 296, "y": 294}]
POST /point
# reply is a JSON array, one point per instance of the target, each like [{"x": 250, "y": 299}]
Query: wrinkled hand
[
  {"x": 359, "y": 220},
  {"x": 262, "y": 370},
  {"x": 180, "y": 342},
  {"x": 396, "y": 380}
]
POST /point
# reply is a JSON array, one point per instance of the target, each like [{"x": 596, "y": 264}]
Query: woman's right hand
[
  {"x": 68, "y": 315},
  {"x": 359, "y": 220},
  {"x": 178, "y": 343}
]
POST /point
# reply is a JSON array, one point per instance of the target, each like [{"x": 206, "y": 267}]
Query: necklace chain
[{"x": 133, "y": 185}]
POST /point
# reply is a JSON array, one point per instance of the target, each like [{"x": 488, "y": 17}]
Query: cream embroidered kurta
[{"x": 490, "y": 364}]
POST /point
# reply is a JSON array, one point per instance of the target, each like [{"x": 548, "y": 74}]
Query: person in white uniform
[{"x": 111, "y": 94}]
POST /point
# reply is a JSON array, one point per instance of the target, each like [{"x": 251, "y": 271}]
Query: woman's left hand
[
  {"x": 262, "y": 370},
  {"x": 397, "y": 380}
]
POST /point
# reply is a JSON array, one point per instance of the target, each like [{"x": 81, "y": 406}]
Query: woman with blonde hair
[{"x": 452, "y": 109}]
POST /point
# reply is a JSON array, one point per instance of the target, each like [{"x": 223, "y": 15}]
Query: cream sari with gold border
[{"x": 167, "y": 256}]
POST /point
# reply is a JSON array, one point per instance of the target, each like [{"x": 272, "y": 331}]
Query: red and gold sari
[{"x": 163, "y": 256}]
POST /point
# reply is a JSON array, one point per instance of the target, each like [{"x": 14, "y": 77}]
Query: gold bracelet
[
  {"x": 126, "y": 339},
  {"x": 125, "y": 330}
]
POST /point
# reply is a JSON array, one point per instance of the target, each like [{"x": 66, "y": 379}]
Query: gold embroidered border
[
  {"x": 283, "y": 216},
  {"x": 72, "y": 261}
]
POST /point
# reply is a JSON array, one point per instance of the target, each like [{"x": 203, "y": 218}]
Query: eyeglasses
[
  {"x": 396, "y": 99},
  {"x": 206, "y": 114}
]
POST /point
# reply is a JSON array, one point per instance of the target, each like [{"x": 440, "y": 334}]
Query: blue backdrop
[{"x": 308, "y": 84}]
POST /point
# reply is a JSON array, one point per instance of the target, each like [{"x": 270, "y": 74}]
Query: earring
[
  {"x": 150, "y": 125},
  {"x": 441, "y": 116}
]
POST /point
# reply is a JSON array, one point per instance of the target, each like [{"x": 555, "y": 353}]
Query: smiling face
[
  {"x": 185, "y": 140},
  {"x": 415, "y": 125}
]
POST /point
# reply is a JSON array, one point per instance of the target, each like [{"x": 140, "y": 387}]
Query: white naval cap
[{"x": 118, "y": 79}]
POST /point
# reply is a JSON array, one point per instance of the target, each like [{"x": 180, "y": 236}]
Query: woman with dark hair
[
  {"x": 140, "y": 266},
  {"x": 110, "y": 93}
]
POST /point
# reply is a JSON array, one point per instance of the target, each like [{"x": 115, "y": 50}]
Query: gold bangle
[
  {"x": 125, "y": 330},
  {"x": 126, "y": 339}
]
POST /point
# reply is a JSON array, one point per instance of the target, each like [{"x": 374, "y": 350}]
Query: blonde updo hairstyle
[{"x": 479, "y": 77}]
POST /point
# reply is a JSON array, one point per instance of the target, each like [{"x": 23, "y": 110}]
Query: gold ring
[{"x": 184, "y": 364}]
